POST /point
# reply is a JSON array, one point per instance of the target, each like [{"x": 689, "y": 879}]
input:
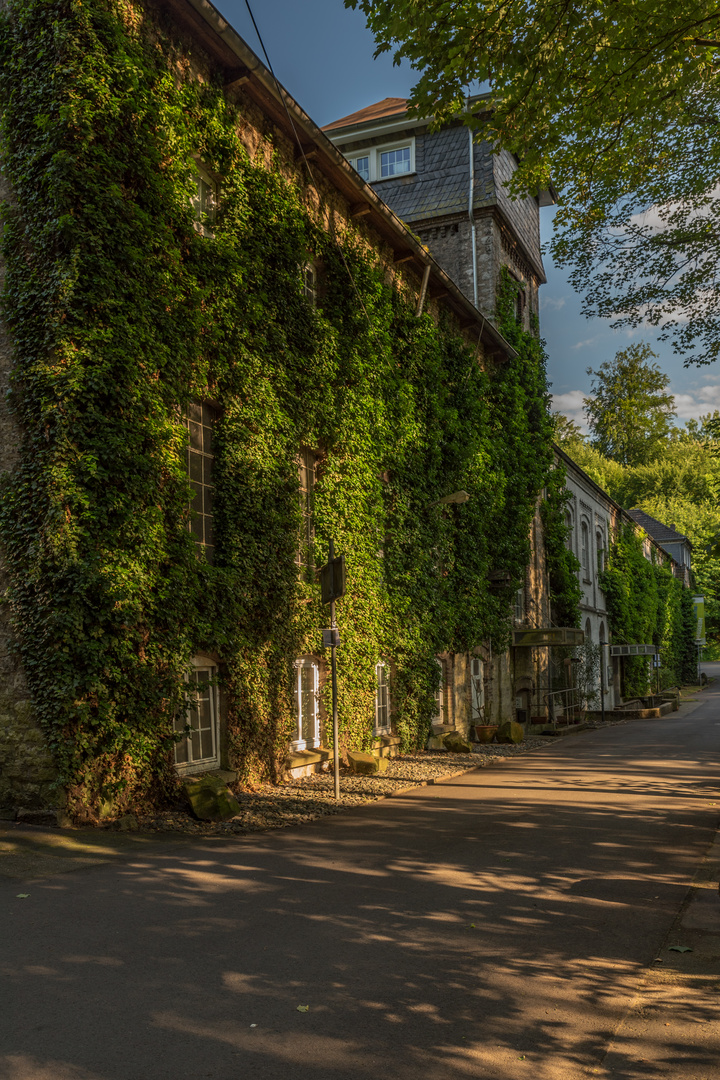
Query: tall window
[
  {"x": 307, "y": 463},
  {"x": 441, "y": 700},
  {"x": 204, "y": 201},
  {"x": 569, "y": 527},
  {"x": 520, "y": 605},
  {"x": 306, "y": 685},
  {"x": 201, "y": 747},
  {"x": 309, "y": 279},
  {"x": 382, "y": 698},
  {"x": 199, "y": 422},
  {"x": 584, "y": 547},
  {"x": 600, "y": 551},
  {"x": 476, "y": 690}
]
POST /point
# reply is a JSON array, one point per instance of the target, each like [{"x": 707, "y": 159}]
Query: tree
[
  {"x": 618, "y": 104},
  {"x": 630, "y": 412}
]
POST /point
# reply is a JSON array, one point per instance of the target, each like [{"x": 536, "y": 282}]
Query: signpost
[
  {"x": 332, "y": 585},
  {"x": 699, "y": 606}
]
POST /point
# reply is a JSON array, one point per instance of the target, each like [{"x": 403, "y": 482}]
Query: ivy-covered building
[{"x": 224, "y": 349}]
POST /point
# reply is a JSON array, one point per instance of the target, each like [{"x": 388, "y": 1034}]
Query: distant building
[{"x": 676, "y": 544}]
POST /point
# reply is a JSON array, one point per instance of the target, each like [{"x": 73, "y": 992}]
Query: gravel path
[{"x": 298, "y": 801}]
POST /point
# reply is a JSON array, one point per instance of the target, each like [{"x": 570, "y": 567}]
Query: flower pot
[{"x": 485, "y": 732}]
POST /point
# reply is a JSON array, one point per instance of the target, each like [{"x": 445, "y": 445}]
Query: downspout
[{"x": 471, "y": 211}]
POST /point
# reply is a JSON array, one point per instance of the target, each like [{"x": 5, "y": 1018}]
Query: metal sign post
[{"x": 332, "y": 578}]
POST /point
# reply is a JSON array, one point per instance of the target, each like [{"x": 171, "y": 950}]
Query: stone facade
[{"x": 213, "y": 51}]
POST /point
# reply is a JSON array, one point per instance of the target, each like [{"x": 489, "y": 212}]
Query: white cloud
[
  {"x": 571, "y": 405},
  {"x": 585, "y": 344},
  {"x": 699, "y": 402},
  {"x": 554, "y": 302}
]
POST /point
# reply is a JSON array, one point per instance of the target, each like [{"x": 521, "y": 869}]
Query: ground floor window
[
  {"x": 441, "y": 701},
  {"x": 306, "y": 686},
  {"x": 200, "y": 748},
  {"x": 476, "y": 690},
  {"x": 382, "y": 699}
]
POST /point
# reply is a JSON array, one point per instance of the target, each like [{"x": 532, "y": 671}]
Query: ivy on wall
[
  {"x": 647, "y": 605},
  {"x": 122, "y": 314}
]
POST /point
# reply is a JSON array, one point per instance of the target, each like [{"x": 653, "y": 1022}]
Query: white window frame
[
  {"x": 204, "y": 214},
  {"x": 585, "y": 548},
  {"x": 382, "y": 669},
  {"x": 212, "y": 761},
  {"x": 477, "y": 690},
  {"x": 441, "y": 702},
  {"x": 374, "y": 158},
  {"x": 199, "y": 421},
  {"x": 300, "y": 743},
  {"x": 310, "y": 283}
]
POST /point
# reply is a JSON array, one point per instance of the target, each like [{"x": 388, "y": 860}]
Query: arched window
[
  {"x": 600, "y": 545},
  {"x": 569, "y": 527},
  {"x": 588, "y": 632},
  {"x": 584, "y": 546}
]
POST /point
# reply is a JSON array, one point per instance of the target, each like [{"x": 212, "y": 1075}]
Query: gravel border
[{"x": 296, "y": 802}]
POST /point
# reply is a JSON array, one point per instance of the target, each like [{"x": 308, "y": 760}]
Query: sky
[{"x": 323, "y": 54}]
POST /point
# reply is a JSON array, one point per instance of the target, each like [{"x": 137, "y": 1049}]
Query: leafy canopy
[
  {"x": 618, "y": 104},
  {"x": 630, "y": 411}
]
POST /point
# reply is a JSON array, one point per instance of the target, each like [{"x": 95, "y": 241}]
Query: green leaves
[
  {"x": 122, "y": 314},
  {"x": 615, "y": 104}
]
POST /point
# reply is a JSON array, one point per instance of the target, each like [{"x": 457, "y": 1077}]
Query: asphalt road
[{"x": 500, "y": 925}]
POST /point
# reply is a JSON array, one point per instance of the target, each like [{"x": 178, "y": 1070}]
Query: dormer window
[
  {"x": 394, "y": 162},
  {"x": 384, "y": 162},
  {"x": 361, "y": 165}
]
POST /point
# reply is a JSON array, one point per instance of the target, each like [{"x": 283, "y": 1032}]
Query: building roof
[
  {"x": 389, "y": 106},
  {"x": 664, "y": 534},
  {"x": 627, "y": 515},
  {"x": 244, "y": 72}
]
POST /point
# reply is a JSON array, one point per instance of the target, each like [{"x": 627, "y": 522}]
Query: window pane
[
  {"x": 363, "y": 167},
  {"x": 196, "y": 436},
  {"x": 196, "y": 466},
  {"x": 394, "y": 162},
  {"x": 309, "y": 702}
]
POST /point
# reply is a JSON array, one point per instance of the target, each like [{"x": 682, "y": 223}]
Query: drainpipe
[{"x": 471, "y": 211}]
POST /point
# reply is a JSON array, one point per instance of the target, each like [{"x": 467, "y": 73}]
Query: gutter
[{"x": 244, "y": 68}]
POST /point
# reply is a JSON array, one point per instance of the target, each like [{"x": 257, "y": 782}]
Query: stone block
[
  {"x": 510, "y": 732},
  {"x": 210, "y": 798},
  {"x": 366, "y": 764},
  {"x": 455, "y": 743},
  {"x": 436, "y": 742}
]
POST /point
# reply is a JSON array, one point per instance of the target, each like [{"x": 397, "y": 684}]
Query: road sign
[
  {"x": 331, "y": 638},
  {"x": 699, "y": 606},
  {"x": 332, "y": 579}
]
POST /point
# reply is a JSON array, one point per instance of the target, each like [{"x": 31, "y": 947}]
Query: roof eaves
[{"x": 213, "y": 29}]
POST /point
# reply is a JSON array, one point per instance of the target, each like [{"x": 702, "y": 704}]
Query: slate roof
[
  {"x": 664, "y": 534},
  {"x": 389, "y": 106}
]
